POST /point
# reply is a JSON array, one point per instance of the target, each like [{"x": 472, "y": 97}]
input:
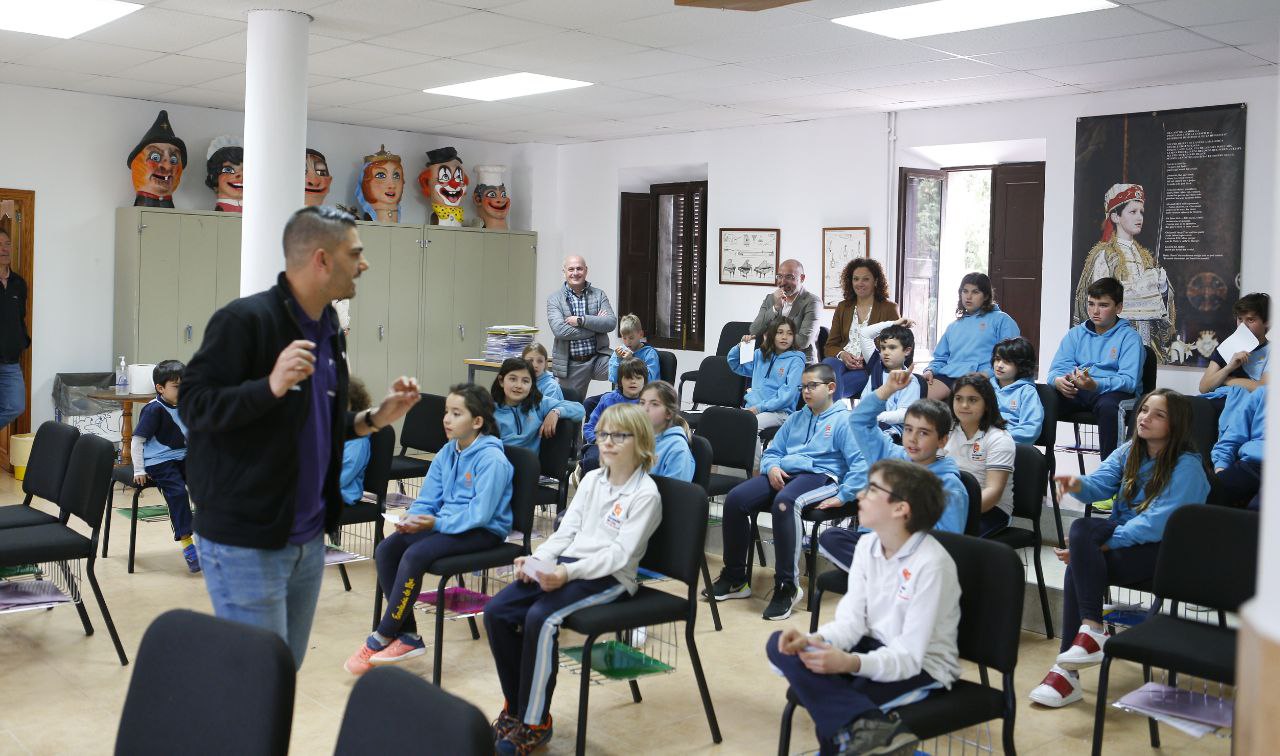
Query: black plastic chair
[
  {"x": 732, "y": 434},
  {"x": 973, "y": 517},
  {"x": 666, "y": 366},
  {"x": 422, "y": 431},
  {"x": 215, "y": 685},
  {"x": 1048, "y": 441},
  {"x": 1208, "y": 557},
  {"x": 524, "y": 481},
  {"x": 124, "y": 476},
  {"x": 554, "y": 458},
  {"x": 717, "y": 386},
  {"x": 820, "y": 342},
  {"x": 85, "y": 491},
  {"x": 702, "y": 460},
  {"x": 50, "y": 455},
  {"x": 991, "y": 593},
  {"x": 1030, "y": 478},
  {"x": 377, "y": 478},
  {"x": 442, "y": 723},
  {"x": 676, "y": 550},
  {"x": 730, "y": 336}
]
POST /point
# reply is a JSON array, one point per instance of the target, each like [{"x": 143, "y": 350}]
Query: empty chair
[
  {"x": 50, "y": 454},
  {"x": 1030, "y": 478},
  {"x": 718, "y": 386},
  {"x": 374, "y": 723},
  {"x": 422, "y": 431},
  {"x": 204, "y": 685},
  {"x": 732, "y": 434}
]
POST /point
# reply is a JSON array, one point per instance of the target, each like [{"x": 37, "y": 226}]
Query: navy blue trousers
[
  {"x": 403, "y": 559},
  {"x": 171, "y": 478},
  {"x": 1091, "y": 570}
]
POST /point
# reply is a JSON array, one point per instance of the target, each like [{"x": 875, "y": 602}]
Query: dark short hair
[
  {"x": 903, "y": 336},
  {"x": 822, "y": 370},
  {"x": 358, "y": 395},
  {"x": 167, "y": 370},
  {"x": 512, "y": 365},
  {"x": 915, "y": 485},
  {"x": 1107, "y": 287},
  {"x": 1019, "y": 352},
  {"x": 479, "y": 403},
  {"x": 990, "y": 406},
  {"x": 983, "y": 282},
  {"x": 933, "y": 412},
  {"x": 633, "y": 367},
  {"x": 313, "y": 227},
  {"x": 1258, "y": 303}
]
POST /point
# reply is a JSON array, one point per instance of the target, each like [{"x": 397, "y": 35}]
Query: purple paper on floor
[
  {"x": 1181, "y": 703},
  {"x": 16, "y": 593}
]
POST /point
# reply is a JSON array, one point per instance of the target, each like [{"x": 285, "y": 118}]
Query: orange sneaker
[
  {"x": 403, "y": 647},
  {"x": 358, "y": 664}
]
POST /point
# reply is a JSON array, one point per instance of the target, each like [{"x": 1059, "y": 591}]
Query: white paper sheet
[
  {"x": 535, "y": 567},
  {"x": 392, "y": 517},
  {"x": 746, "y": 352},
  {"x": 1242, "y": 340}
]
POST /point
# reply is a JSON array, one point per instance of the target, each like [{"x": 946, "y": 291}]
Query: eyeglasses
[
  {"x": 811, "y": 385},
  {"x": 788, "y": 277},
  {"x": 893, "y": 496},
  {"x": 615, "y": 438}
]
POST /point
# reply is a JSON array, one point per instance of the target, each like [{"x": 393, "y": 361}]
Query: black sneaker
[
  {"x": 724, "y": 589},
  {"x": 876, "y": 734},
  {"x": 785, "y": 598}
]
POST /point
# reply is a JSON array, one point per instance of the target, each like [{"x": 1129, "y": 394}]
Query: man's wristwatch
[{"x": 368, "y": 419}]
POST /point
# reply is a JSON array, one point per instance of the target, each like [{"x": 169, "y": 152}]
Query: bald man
[
  {"x": 581, "y": 318},
  {"x": 790, "y": 299}
]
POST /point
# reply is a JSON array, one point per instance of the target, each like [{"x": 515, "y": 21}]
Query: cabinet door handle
[
  {"x": 462, "y": 331},
  {"x": 381, "y": 330},
  {"x": 189, "y": 331}
]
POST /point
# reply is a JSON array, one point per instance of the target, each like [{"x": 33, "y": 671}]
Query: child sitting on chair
[
  {"x": 631, "y": 377},
  {"x": 591, "y": 559},
  {"x": 523, "y": 414},
  {"x": 893, "y": 639},
  {"x": 774, "y": 370},
  {"x": 159, "y": 451},
  {"x": 670, "y": 432},
  {"x": 536, "y": 355},
  {"x": 1013, "y": 375},
  {"x": 895, "y": 343},
  {"x": 355, "y": 451},
  {"x": 983, "y": 448},
  {"x": 633, "y": 346}
]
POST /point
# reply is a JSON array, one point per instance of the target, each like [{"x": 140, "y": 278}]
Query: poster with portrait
[
  {"x": 749, "y": 255},
  {"x": 839, "y": 247},
  {"x": 1159, "y": 204}
]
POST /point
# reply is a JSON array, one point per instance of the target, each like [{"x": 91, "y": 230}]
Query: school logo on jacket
[
  {"x": 466, "y": 478},
  {"x": 613, "y": 520},
  {"x": 982, "y": 326},
  {"x": 826, "y": 433},
  {"x": 782, "y": 371},
  {"x": 1113, "y": 353},
  {"x": 1013, "y": 404}
]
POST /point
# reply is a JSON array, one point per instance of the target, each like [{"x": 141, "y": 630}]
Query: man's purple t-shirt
[{"x": 314, "y": 441}]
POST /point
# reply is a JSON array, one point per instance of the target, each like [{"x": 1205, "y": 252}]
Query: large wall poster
[{"x": 1159, "y": 205}]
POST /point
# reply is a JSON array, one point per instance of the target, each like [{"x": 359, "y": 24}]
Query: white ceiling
[{"x": 657, "y": 68}]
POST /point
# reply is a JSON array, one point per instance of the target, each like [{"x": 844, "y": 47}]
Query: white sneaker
[
  {"x": 1057, "y": 689},
  {"x": 1086, "y": 650}
]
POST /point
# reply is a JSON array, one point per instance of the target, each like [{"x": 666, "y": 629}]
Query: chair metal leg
[
  {"x": 815, "y": 610},
  {"x": 475, "y": 631},
  {"x": 1100, "y": 710},
  {"x": 106, "y": 615},
  {"x": 133, "y": 527},
  {"x": 715, "y": 610},
  {"x": 755, "y": 534},
  {"x": 1153, "y": 727},
  {"x": 1044, "y": 595},
  {"x": 106, "y": 526},
  {"x": 702, "y": 683},
  {"x": 1053, "y": 497},
  {"x": 377, "y": 589},
  {"x": 346, "y": 581},
  {"x": 982, "y": 675},
  {"x": 1079, "y": 454},
  {"x": 784, "y": 730},
  {"x": 635, "y": 691},
  {"x": 80, "y": 609},
  {"x": 439, "y": 649},
  {"x": 584, "y": 691}
]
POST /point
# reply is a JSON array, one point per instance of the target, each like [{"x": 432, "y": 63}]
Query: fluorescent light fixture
[
  {"x": 946, "y": 16},
  {"x": 63, "y": 19},
  {"x": 505, "y": 87}
]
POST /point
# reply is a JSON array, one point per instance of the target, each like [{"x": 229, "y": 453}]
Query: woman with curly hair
[{"x": 859, "y": 318}]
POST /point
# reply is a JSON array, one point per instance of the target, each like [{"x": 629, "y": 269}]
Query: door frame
[{"x": 24, "y": 264}]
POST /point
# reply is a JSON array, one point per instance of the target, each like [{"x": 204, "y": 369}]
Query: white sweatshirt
[
  {"x": 909, "y": 602},
  {"x": 606, "y": 528}
]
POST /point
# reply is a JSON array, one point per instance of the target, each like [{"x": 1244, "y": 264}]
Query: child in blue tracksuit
[
  {"x": 670, "y": 431},
  {"x": 896, "y": 343},
  {"x": 1013, "y": 365},
  {"x": 523, "y": 414},
  {"x": 159, "y": 450},
  {"x": 924, "y": 439},
  {"x": 464, "y": 506},
  {"x": 774, "y": 371},
  {"x": 1099, "y": 363},
  {"x": 633, "y": 346},
  {"x": 631, "y": 378},
  {"x": 813, "y": 461},
  {"x": 536, "y": 355},
  {"x": 355, "y": 451},
  {"x": 966, "y": 345},
  {"x": 1237, "y": 457},
  {"x": 1121, "y": 550}
]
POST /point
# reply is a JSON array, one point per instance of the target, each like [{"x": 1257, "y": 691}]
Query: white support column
[{"x": 275, "y": 139}]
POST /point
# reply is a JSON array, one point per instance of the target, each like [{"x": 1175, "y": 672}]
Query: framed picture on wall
[
  {"x": 839, "y": 246},
  {"x": 749, "y": 256}
]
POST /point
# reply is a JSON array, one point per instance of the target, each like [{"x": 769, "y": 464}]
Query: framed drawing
[
  {"x": 749, "y": 255},
  {"x": 839, "y": 246}
]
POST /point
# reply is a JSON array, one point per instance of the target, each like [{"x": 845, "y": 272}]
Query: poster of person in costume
[
  {"x": 156, "y": 164},
  {"x": 1159, "y": 201}
]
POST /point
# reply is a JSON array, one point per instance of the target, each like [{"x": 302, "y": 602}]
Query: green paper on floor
[
  {"x": 144, "y": 513},
  {"x": 618, "y": 661}
]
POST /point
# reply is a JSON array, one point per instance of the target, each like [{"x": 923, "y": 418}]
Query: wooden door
[
  {"x": 158, "y": 271},
  {"x": 1017, "y": 243},
  {"x": 437, "y": 331},
  {"x": 17, "y": 217},
  {"x": 197, "y": 282}
]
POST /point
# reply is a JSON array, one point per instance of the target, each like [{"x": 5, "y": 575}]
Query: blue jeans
[
  {"x": 13, "y": 393},
  {"x": 274, "y": 589}
]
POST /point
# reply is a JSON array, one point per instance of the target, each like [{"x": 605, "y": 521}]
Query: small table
[
  {"x": 479, "y": 363},
  {"x": 126, "y": 422}
]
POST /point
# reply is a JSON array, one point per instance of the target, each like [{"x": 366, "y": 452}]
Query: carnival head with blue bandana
[
  {"x": 444, "y": 182},
  {"x": 381, "y": 186}
]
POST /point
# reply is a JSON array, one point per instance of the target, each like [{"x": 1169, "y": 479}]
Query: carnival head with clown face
[
  {"x": 491, "y": 197},
  {"x": 444, "y": 182},
  {"x": 156, "y": 164}
]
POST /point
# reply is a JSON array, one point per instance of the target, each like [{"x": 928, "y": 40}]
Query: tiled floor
[{"x": 61, "y": 692}]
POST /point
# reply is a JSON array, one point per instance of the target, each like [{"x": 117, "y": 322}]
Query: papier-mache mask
[
  {"x": 491, "y": 198},
  {"x": 224, "y": 165},
  {"x": 318, "y": 178},
  {"x": 381, "y": 186},
  {"x": 156, "y": 164},
  {"x": 444, "y": 182}
]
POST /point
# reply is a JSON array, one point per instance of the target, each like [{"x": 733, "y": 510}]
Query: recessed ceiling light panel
[
  {"x": 63, "y": 19},
  {"x": 946, "y": 16},
  {"x": 506, "y": 87}
]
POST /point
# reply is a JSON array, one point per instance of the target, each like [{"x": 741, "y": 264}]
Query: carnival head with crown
[
  {"x": 381, "y": 186},
  {"x": 156, "y": 164},
  {"x": 1123, "y": 207},
  {"x": 491, "y": 197},
  {"x": 444, "y": 182},
  {"x": 224, "y": 173}
]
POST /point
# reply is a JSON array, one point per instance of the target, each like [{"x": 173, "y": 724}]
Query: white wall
[{"x": 71, "y": 148}]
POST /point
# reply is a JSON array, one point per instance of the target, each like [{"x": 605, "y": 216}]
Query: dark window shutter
[{"x": 637, "y": 258}]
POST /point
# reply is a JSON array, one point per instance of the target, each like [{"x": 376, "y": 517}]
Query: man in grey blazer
[
  {"x": 581, "y": 318},
  {"x": 790, "y": 299}
]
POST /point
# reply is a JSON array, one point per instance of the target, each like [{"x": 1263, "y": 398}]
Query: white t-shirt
[{"x": 992, "y": 449}]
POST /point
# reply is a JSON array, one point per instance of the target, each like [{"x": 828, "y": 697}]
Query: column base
[{"x": 1257, "y": 714}]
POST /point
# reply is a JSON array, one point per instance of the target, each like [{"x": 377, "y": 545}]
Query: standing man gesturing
[
  {"x": 13, "y": 334},
  {"x": 265, "y": 402},
  {"x": 581, "y": 318}
]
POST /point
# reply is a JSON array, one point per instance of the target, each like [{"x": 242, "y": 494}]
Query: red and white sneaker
[
  {"x": 1085, "y": 651},
  {"x": 1057, "y": 689}
]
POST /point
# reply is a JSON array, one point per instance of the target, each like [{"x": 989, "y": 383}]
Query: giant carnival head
[
  {"x": 381, "y": 186},
  {"x": 156, "y": 164},
  {"x": 444, "y": 182},
  {"x": 491, "y": 196},
  {"x": 224, "y": 173},
  {"x": 318, "y": 178}
]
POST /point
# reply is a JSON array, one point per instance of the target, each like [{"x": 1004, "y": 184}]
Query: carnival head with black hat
[
  {"x": 381, "y": 186},
  {"x": 225, "y": 173},
  {"x": 156, "y": 164},
  {"x": 444, "y": 182},
  {"x": 1123, "y": 206},
  {"x": 318, "y": 178},
  {"x": 491, "y": 196}
]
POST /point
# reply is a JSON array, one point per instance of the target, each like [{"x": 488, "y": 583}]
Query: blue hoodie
[
  {"x": 1114, "y": 358},
  {"x": 646, "y": 353},
  {"x": 606, "y": 401},
  {"x": 519, "y": 427},
  {"x": 549, "y": 386},
  {"x": 469, "y": 489},
  {"x": 877, "y": 446},
  {"x": 355, "y": 460},
  {"x": 966, "y": 345},
  {"x": 1021, "y": 408},
  {"x": 1244, "y": 438},
  {"x": 819, "y": 444},
  {"x": 775, "y": 382},
  {"x": 675, "y": 459},
  {"x": 1187, "y": 485}
]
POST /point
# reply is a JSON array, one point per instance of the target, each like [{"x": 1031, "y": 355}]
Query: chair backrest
[
  {"x": 571, "y": 394},
  {"x": 992, "y": 585},
  {"x": 718, "y": 384},
  {"x": 375, "y": 723},
  {"x": 676, "y": 548},
  {"x": 1204, "y": 425},
  {"x": 382, "y": 449},
  {"x": 972, "y": 520},
  {"x": 1030, "y": 483},
  {"x": 821, "y": 341},
  {"x": 731, "y": 335},
  {"x": 86, "y": 488},
  {"x": 1049, "y": 432},
  {"x": 217, "y": 685},
  {"x": 423, "y": 430},
  {"x": 667, "y": 366},
  {"x": 1149, "y": 364},
  {"x": 1208, "y": 556},
  {"x": 524, "y": 484},
  {"x": 553, "y": 453},
  {"x": 732, "y": 435},
  {"x": 703, "y": 456},
  {"x": 50, "y": 454}
]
